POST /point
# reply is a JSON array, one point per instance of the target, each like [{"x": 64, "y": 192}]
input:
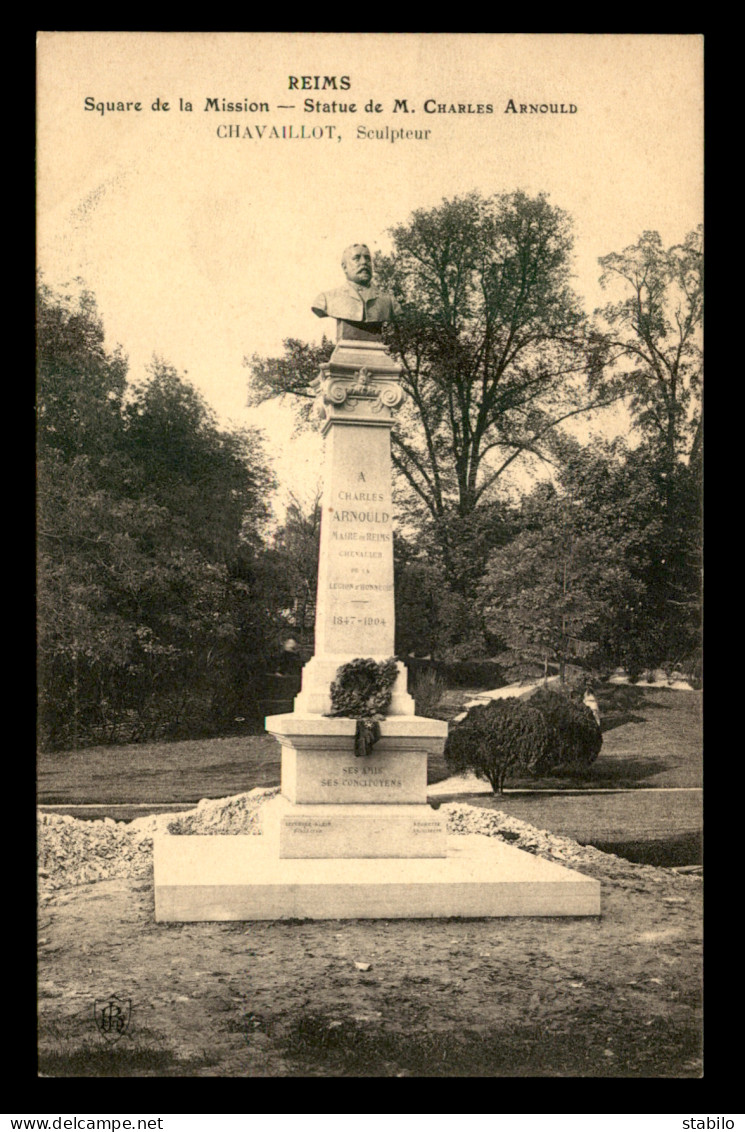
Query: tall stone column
[
  {"x": 358, "y": 392},
  {"x": 333, "y": 804}
]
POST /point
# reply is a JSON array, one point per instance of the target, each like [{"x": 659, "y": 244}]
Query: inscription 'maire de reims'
[{"x": 340, "y": 536}]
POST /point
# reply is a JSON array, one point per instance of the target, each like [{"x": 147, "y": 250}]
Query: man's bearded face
[{"x": 357, "y": 264}]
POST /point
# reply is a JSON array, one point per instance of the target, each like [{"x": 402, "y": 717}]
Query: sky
[{"x": 203, "y": 248}]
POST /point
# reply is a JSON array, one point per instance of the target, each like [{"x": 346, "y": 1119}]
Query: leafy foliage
[
  {"x": 155, "y": 596},
  {"x": 574, "y": 737},
  {"x": 495, "y": 352},
  {"x": 588, "y": 578},
  {"x": 475, "y": 673},
  {"x": 552, "y": 590},
  {"x": 290, "y": 374},
  {"x": 430, "y": 617},
  {"x": 490, "y": 339},
  {"x": 496, "y": 739},
  {"x": 429, "y": 688},
  {"x": 80, "y": 386},
  {"x": 296, "y": 546},
  {"x": 654, "y": 332}
]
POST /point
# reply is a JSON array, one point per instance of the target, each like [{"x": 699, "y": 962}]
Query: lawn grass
[
  {"x": 654, "y": 828},
  {"x": 651, "y": 737},
  {"x": 157, "y": 773},
  {"x": 610, "y": 817}
]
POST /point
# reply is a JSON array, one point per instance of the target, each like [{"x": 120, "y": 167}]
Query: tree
[
  {"x": 652, "y": 333},
  {"x": 431, "y": 618},
  {"x": 289, "y": 375},
  {"x": 209, "y": 594},
  {"x": 572, "y": 584},
  {"x": 296, "y": 545},
  {"x": 80, "y": 391},
  {"x": 80, "y": 385},
  {"x": 214, "y": 481},
  {"x": 494, "y": 348},
  {"x": 548, "y": 588},
  {"x": 155, "y": 598}
]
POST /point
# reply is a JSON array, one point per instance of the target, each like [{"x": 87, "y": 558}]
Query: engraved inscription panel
[
  {"x": 318, "y": 776},
  {"x": 356, "y": 576}
]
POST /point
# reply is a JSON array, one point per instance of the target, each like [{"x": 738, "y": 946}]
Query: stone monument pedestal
[
  {"x": 355, "y": 837},
  {"x": 334, "y": 805}
]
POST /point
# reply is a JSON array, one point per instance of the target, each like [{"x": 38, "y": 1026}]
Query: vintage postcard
[{"x": 439, "y": 296}]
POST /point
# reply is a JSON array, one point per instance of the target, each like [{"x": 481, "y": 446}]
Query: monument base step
[
  {"x": 241, "y": 878},
  {"x": 334, "y": 832}
]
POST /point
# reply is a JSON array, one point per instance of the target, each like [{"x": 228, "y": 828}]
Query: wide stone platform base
[{"x": 241, "y": 878}]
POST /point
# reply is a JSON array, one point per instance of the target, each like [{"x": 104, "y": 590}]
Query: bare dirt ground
[{"x": 613, "y": 996}]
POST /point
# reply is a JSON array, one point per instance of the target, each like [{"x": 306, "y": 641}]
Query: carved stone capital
[{"x": 356, "y": 394}]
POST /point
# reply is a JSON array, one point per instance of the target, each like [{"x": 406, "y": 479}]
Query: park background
[
  {"x": 175, "y": 538},
  {"x": 190, "y": 258}
]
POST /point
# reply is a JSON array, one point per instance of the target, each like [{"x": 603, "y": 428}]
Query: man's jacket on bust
[{"x": 348, "y": 304}]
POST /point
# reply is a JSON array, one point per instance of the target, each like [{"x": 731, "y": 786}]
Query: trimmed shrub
[
  {"x": 496, "y": 738},
  {"x": 574, "y": 737},
  {"x": 621, "y": 698},
  {"x": 416, "y": 666},
  {"x": 458, "y": 673},
  {"x": 693, "y": 669}
]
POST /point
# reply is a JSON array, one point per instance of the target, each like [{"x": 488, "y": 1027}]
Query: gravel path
[{"x": 617, "y": 995}]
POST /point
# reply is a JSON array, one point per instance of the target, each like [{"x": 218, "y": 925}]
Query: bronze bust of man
[{"x": 359, "y": 308}]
